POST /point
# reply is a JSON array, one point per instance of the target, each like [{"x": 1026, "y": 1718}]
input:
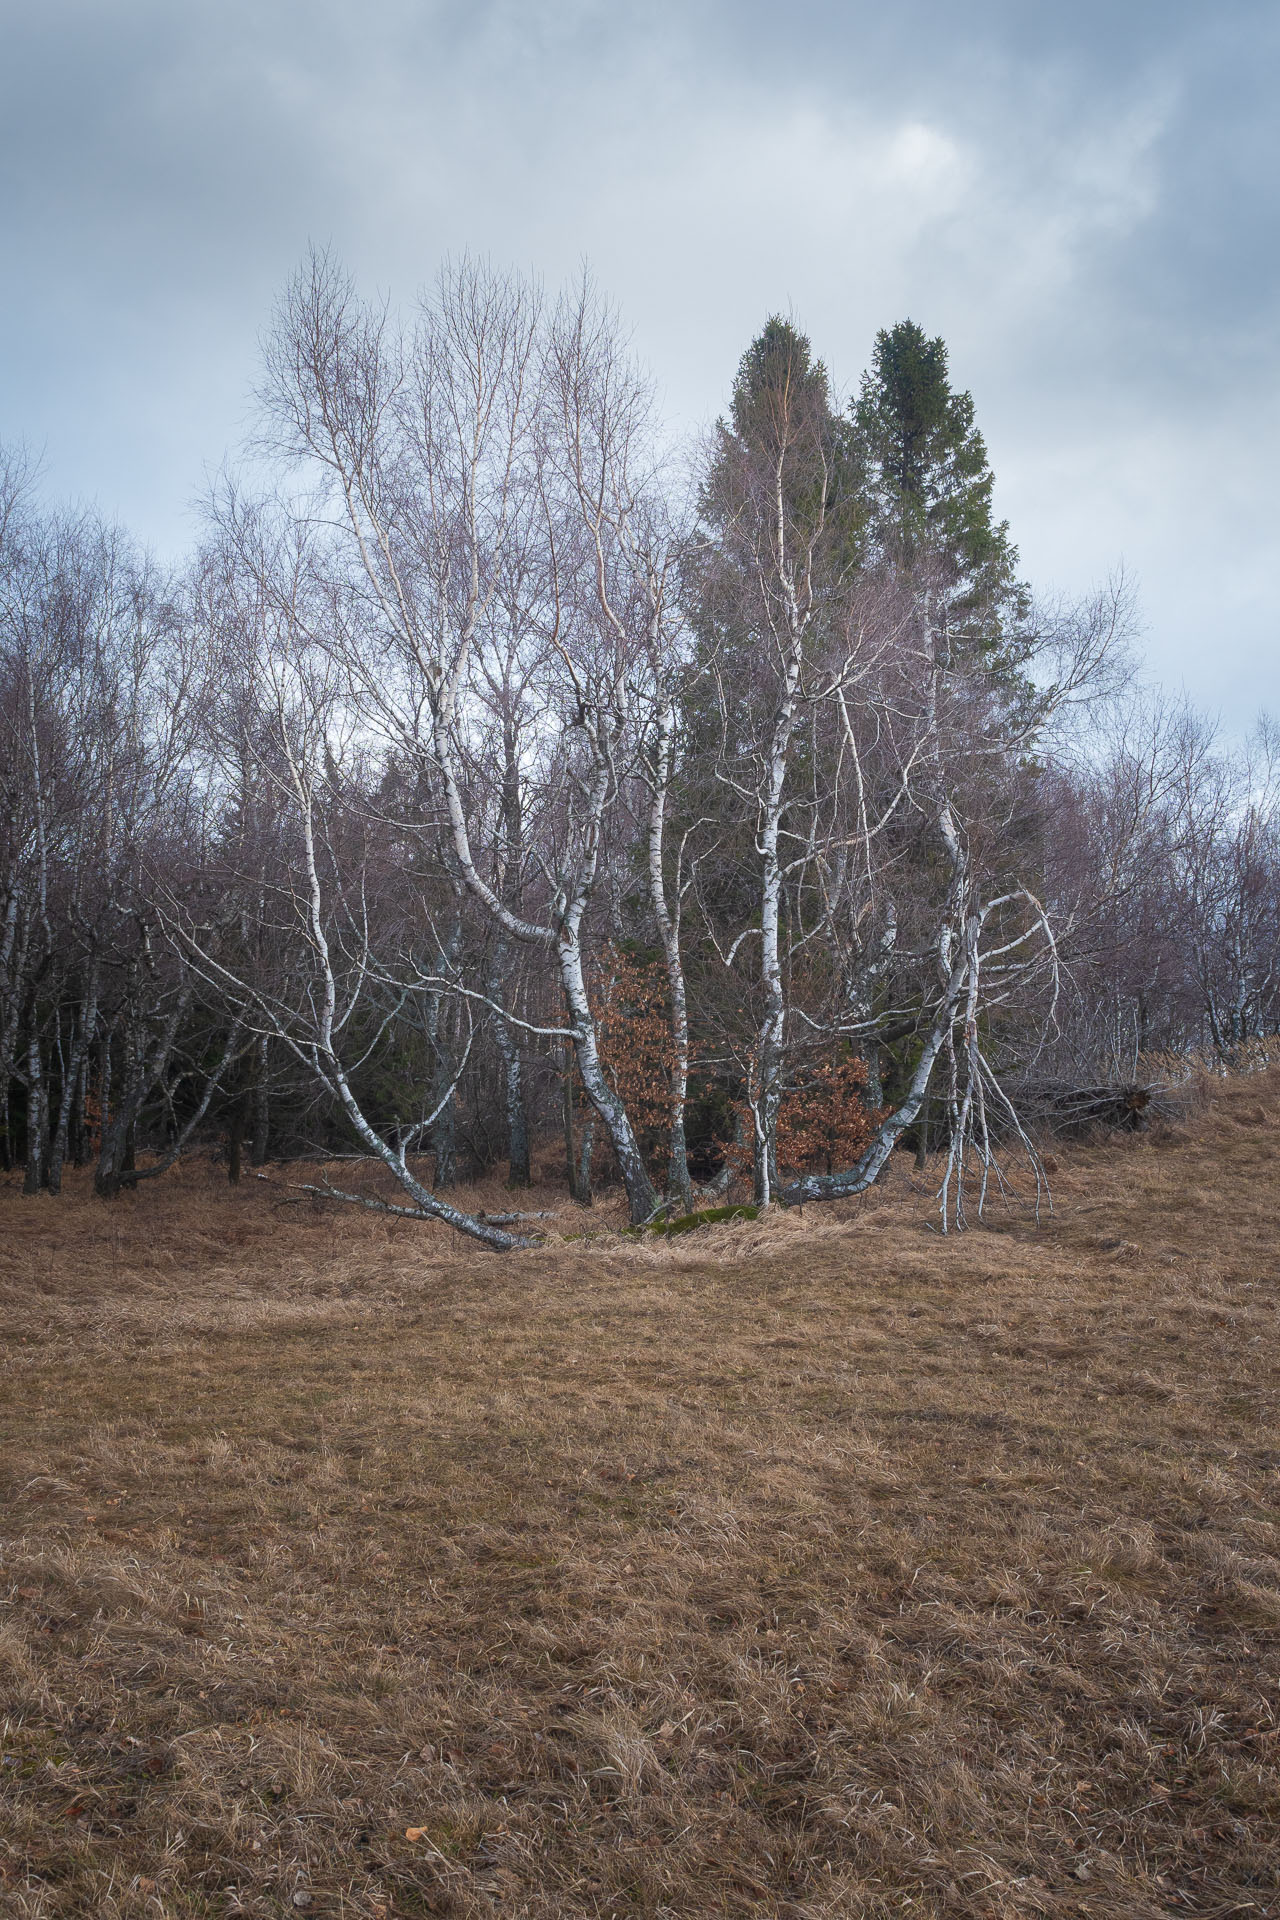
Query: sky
[{"x": 1081, "y": 199}]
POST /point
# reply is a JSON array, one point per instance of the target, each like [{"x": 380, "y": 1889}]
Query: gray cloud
[{"x": 1082, "y": 200}]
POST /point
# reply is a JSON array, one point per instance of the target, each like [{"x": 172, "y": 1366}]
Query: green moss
[{"x": 709, "y": 1217}]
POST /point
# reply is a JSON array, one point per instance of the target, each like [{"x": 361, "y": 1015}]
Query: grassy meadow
[{"x": 814, "y": 1566}]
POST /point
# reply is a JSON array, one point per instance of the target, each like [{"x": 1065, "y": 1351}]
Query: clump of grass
[{"x": 818, "y": 1567}]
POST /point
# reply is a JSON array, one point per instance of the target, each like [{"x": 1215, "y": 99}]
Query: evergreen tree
[
  {"x": 782, "y": 436},
  {"x": 781, "y": 413},
  {"x": 781, "y": 417},
  {"x": 928, "y": 487}
]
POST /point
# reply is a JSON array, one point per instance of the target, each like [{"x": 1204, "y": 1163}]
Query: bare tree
[{"x": 443, "y": 455}]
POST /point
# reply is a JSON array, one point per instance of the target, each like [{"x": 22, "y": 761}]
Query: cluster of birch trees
[{"x": 481, "y": 702}]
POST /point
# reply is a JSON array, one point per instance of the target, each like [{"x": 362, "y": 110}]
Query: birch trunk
[
  {"x": 641, "y": 1198},
  {"x": 444, "y": 1130},
  {"x": 37, "y": 1112},
  {"x": 518, "y": 1168},
  {"x": 679, "y": 1186},
  {"x": 770, "y": 1045},
  {"x": 328, "y": 1067},
  {"x": 566, "y": 939}
]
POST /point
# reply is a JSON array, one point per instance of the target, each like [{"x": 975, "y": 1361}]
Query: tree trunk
[
  {"x": 770, "y": 1045},
  {"x": 37, "y": 1114},
  {"x": 585, "y": 1151},
  {"x": 770, "y": 1049},
  {"x": 235, "y": 1140},
  {"x": 566, "y": 937},
  {"x": 115, "y": 1150},
  {"x": 570, "y": 1144},
  {"x": 444, "y": 1133},
  {"x": 78, "y": 1139},
  {"x": 922, "y": 1139},
  {"x": 62, "y": 1127},
  {"x": 641, "y": 1199},
  {"x": 444, "y": 1128},
  {"x": 261, "y": 1108},
  {"x": 679, "y": 1185},
  {"x": 144, "y": 1066},
  {"x": 73, "y": 1081},
  {"x": 957, "y": 947},
  {"x": 519, "y": 1173}
]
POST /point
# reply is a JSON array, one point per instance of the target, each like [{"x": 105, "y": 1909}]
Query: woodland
[{"x": 502, "y": 782}]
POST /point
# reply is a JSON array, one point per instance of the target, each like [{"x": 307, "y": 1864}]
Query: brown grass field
[{"x": 817, "y": 1566}]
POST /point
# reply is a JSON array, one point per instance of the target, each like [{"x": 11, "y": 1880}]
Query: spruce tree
[
  {"x": 781, "y": 410},
  {"x": 782, "y": 423},
  {"x": 928, "y": 488}
]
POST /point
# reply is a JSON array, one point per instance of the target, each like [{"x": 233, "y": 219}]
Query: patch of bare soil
[{"x": 815, "y": 1566}]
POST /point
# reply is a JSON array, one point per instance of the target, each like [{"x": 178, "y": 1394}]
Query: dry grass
[{"x": 814, "y": 1567}]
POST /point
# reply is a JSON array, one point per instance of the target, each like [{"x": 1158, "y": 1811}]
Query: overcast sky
[{"x": 1081, "y": 198}]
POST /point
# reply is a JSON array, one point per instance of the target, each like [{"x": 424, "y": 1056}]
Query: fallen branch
[{"x": 476, "y": 1227}]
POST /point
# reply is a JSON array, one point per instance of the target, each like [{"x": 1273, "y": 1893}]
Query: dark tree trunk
[
  {"x": 78, "y": 1143},
  {"x": 37, "y": 1116},
  {"x": 235, "y": 1141},
  {"x": 585, "y": 1152},
  {"x": 520, "y": 1170},
  {"x": 444, "y": 1100},
  {"x": 71, "y": 1097},
  {"x": 572, "y": 1168},
  {"x": 116, "y": 1155},
  {"x": 261, "y": 1108}
]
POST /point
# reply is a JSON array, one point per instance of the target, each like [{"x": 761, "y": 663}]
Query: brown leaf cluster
[{"x": 824, "y": 1123}]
